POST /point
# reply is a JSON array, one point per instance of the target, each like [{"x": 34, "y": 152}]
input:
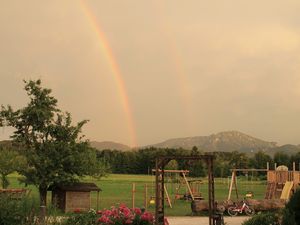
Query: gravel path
[{"x": 204, "y": 220}]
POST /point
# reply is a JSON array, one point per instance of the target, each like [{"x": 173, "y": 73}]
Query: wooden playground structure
[
  {"x": 281, "y": 182},
  {"x": 192, "y": 186},
  {"x": 177, "y": 187}
]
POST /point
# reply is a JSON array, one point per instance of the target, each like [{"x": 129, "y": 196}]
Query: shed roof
[{"x": 76, "y": 187}]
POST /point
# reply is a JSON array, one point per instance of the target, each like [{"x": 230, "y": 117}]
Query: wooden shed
[{"x": 74, "y": 197}]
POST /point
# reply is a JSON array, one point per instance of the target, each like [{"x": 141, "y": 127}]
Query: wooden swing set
[
  {"x": 192, "y": 186},
  {"x": 161, "y": 162}
]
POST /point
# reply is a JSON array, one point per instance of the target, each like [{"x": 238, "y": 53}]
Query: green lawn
[{"x": 118, "y": 189}]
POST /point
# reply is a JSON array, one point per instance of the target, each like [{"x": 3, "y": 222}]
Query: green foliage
[
  {"x": 282, "y": 158},
  {"x": 10, "y": 161},
  {"x": 260, "y": 160},
  {"x": 172, "y": 165},
  {"x": 291, "y": 213},
  {"x": 269, "y": 218},
  {"x": 16, "y": 212},
  {"x": 89, "y": 218},
  {"x": 53, "y": 147}
]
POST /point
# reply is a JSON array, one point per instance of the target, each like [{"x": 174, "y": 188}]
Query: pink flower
[
  {"x": 124, "y": 215},
  {"x": 107, "y": 213},
  {"x": 104, "y": 219},
  {"x": 138, "y": 211},
  {"x": 128, "y": 221},
  {"x": 122, "y": 205},
  {"x": 147, "y": 217}
]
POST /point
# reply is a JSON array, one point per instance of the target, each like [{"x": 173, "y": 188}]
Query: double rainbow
[{"x": 117, "y": 75}]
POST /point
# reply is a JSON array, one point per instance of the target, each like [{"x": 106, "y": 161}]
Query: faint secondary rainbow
[
  {"x": 178, "y": 65},
  {"x": 107, "y": 51}
]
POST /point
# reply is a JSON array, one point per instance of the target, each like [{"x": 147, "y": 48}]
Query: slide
[{"x": 285, "y": 194}]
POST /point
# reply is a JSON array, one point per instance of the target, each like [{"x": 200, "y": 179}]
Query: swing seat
[
  {"x": 152, "y": 200},
  {"x": 249, "y": 194}
]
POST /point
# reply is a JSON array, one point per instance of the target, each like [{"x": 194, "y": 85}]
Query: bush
[
  {"x": 291, "y": 213},
  {"x": 115, "y": 216},
  {"x": 16, "y": 211},
  {"x": 269, "y": 218},
  {"x": 89, "y": 218}
]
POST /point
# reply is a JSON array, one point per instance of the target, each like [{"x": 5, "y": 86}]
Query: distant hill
[
  {"x": 288, "y": 149},
  {"x": 109, "y": 145},
  {"x": 223, "y": 141}
]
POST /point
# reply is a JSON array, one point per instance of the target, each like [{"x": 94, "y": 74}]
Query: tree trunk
[{"x": 43, "y": 202}]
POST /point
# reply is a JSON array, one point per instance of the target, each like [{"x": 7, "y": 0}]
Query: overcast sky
[{"x": 189, "y": 67}]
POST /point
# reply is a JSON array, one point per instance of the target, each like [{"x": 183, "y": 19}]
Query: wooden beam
[
  {"x": 250, "y": 170},
  {"x": 188, "y": 186},
  {"x": 173, "y": 171},
  {"x": 167, "y": 195},
  {"x": 146, "y": 197},
  {"x": 231, "y": 185},
  {"x": 133, "y": 195}
]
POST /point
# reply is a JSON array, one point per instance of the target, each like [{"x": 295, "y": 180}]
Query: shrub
[
  {"x": 115, "y": 216},
  {"x": 291, "y": 213},
  {"x": 16, "y": 211},
  {"x": 270, "y": 218},
  {"x": 89, "y": 218}
]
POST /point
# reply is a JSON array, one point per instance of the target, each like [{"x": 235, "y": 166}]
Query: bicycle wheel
[
  {"x": 249, "y": 211},
  {"x": 232, "y": 211}
]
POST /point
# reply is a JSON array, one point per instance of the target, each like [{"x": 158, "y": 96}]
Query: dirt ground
[{"x": 204, "y": 220}]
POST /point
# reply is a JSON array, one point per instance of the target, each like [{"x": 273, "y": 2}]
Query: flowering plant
[{"x": 122, "y": 215}]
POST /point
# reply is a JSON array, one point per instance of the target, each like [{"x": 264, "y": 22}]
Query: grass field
[{"x": 118, "y": 189}]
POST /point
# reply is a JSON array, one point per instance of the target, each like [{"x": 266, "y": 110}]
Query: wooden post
[
  {"x": 188, "y": 186},
  {"x": 159, "y": 192},
  {"x": 146, "y": 197},
  {"x": 211, "y": 192},
  {"x": 294, "y": 175},
  {"x": 167, "y": 195},
  {"x": 294, "y": 166},
  {"x": 268, "y": 166},
  {"x": 231, "y": 184},
  {"x": 97, "y": 200},
  {"x": 133, "y": 195}
]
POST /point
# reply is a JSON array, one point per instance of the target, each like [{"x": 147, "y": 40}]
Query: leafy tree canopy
[{"x": 53, "y": 147}]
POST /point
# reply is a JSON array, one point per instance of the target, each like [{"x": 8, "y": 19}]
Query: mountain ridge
[
  {"x": 225, "y": 141},
  {"x": 222, "y": 141}
]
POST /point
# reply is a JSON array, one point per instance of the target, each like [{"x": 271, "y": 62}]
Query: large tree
[{"x": 52, "y": 145}]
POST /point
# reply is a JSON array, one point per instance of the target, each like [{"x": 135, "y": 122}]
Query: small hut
[{"x": 73, "y": 197}]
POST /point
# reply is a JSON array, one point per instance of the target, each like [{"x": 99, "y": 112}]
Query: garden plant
[{"x": 120, "y": 215}]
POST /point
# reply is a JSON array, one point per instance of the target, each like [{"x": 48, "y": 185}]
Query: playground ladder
[{"x": 271, "y": 188}]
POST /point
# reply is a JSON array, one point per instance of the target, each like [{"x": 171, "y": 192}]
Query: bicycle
[{"x": 234, "y": 210}]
